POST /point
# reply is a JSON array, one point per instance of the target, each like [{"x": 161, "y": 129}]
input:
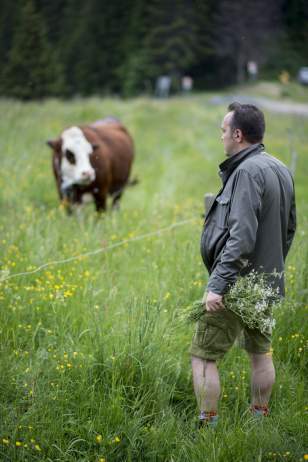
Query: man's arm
[{"x": 243, "y": 226}]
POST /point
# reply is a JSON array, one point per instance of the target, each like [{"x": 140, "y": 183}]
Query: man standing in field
[{"x": 250, "y": 226}]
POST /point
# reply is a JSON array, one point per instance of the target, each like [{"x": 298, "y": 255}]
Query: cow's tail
[{"x": 133, "y": 181}]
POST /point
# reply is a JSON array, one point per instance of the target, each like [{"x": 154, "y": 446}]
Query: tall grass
[{"x": 94, "y": 359}]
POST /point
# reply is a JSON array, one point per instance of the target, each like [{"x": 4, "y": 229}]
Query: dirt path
[{"x": 283, "y": 107}]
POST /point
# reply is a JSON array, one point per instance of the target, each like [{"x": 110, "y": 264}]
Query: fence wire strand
[{"x": 4, "y": 277}]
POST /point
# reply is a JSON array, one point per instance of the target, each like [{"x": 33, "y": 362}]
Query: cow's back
[{"x": 117, "y": 144}]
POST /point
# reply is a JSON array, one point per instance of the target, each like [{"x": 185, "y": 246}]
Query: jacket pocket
[{"x": 222, "y": 211}]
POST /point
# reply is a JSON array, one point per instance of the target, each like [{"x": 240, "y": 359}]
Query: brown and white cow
[{"x": 92, "y": 159}]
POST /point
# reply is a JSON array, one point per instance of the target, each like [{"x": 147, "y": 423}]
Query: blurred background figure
[
  {"x": 303, "y": 76},
  {"x": 186, "y": 84},
  {"x": 252, "y": 69},
  {"x": 162, "y": 88},
  {"x": 284, "y": 77}
]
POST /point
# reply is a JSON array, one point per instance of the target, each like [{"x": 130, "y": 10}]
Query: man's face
[{"x": 229, "y": 137}]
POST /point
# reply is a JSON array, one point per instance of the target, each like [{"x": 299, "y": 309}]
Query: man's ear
[
  {"x": 54, "y": 144},
  {"x": 94, "y": 146},
  {"x": 238, "y": 135}
]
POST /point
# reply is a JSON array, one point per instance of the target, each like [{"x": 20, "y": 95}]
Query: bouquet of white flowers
[{"x": 251, "y": 298}]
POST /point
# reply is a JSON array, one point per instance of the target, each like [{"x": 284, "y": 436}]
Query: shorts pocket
[
  {"x": 205, "y": 333},
  {"x": 217, "y": 332}
]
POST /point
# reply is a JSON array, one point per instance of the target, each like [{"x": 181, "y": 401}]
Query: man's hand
[{"x": 212, "y": 301}]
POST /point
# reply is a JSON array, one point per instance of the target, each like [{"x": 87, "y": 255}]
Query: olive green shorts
[{"x": 216, "y": 332}]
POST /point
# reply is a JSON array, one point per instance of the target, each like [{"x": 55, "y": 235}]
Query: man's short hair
[{"x": 249, "y": 119}]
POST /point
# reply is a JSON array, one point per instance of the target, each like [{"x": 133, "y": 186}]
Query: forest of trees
[{"x": 72, "y": 47}]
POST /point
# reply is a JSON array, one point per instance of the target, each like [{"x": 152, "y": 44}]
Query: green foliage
[
  {"x": 91, "y": 53},
  {"x": 171, "y": 40},
  {"x": 31, "y": 71},
  {"x": 135, "y": 74},
  {"x": 94, "y": 361},
  {"x": 8, "y": 18},
  {"x": 251, "y": 298},
  {"x": 71, "y": 47},
  {"x": 296, "y": 20},
  {"x": 134, "y": 71}
]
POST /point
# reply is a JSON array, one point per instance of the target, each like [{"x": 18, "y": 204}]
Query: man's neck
[{"x": 240, "y": 148}]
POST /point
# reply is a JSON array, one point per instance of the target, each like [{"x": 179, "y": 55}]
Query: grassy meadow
[{"x": 94, "y": 362}]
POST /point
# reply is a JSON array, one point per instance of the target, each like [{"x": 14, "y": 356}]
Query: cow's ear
[
  {"x": 54, "y": 144},
  {"x": 94, "y": 146}
]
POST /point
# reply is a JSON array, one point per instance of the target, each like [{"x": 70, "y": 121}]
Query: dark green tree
[
  {"x": 68, "y": 47},
  {"x": 171, "y": 42},
  {"x": 295, "y": 13},
  {"x": 205, "y": 68},
  {"x": 8, "y": 17},
  {"x": 32, "y": 71},
  {"x": 53, "y": 15},
  {"x": 296, "y": 20},
  {"x": 91, "y": 48},
  {"x": 134, "y": 68}
]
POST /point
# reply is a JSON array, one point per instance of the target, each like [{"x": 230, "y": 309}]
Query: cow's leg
[
  {"x": 116, "y": 199},
  {"x": 100, "y": 203},
  {"x": 75, "y": 200}
]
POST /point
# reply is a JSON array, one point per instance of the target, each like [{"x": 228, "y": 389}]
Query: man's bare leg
[
  {"x": 206, "y": 384},
  {"x": 262, "y": 379}
]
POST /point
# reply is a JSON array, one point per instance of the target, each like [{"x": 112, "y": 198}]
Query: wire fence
[{"x": 4, "y": 275}]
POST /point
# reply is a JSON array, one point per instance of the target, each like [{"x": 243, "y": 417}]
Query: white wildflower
[{"x": 251, "y": 298}]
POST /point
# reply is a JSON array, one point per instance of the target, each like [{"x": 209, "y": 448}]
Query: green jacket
[{"x": 252, "y": 221}]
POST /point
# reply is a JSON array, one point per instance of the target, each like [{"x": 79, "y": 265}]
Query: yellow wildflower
[{"x": 99, "y": 439}]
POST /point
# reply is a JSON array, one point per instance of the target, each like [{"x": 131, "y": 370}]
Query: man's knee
[{"x": 261, "y": 360}]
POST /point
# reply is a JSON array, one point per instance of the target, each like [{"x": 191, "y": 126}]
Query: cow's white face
[{"x": 75, "y": 164}]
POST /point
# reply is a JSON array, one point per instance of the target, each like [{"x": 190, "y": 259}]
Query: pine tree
[
  {"x": 32, "y": 71},
  {"x": 172, "y": 40},
  {"x": 91, "y": 45},
  {"x": 133, "y": 70},
  {"x": 8, "y": 15},
  {"x": 296, "y": 20}
]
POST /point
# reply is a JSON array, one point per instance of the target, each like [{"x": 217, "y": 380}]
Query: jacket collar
[{"x": 227, "y": 167}]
